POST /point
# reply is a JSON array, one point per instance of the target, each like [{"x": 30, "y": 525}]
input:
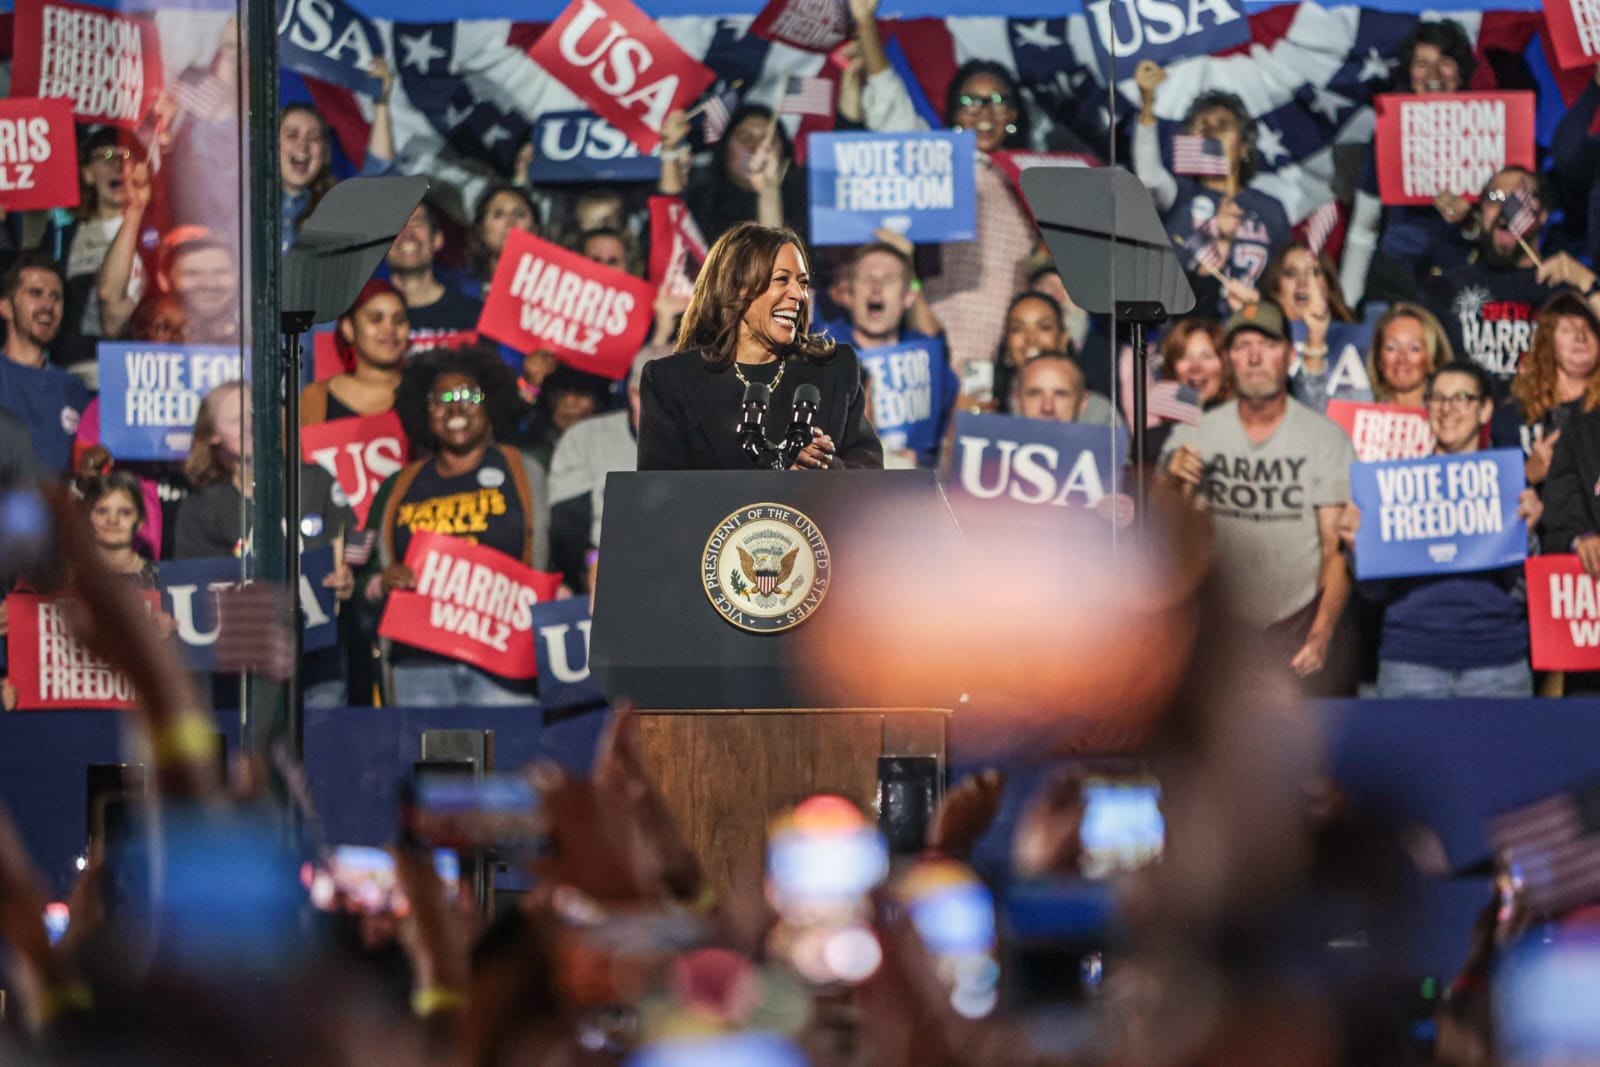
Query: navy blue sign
[
  {"x": 561, "y": 640},
  {"x": 330, "y": 40},
  {"x": 1034, "y": 461},
  {"x": 1347, "y": 343},
  {"x": 151, "y": 393},
  {"x": 190, "y": 589},
  {"x": 912, "y": 390},
  {"x": 1439, "y": 514},
  {"x": 921, "y": 185},
  {"x": 1164, "y": 30},
  {"x": 579, "y": 146}
]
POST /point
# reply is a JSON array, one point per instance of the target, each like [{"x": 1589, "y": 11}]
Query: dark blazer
[
  {"x": 688, "y": 412},
  {"x": 1571, "y": 491}
]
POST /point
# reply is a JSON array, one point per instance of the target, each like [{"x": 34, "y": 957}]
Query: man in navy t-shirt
[{"x": 45, "y": 397}]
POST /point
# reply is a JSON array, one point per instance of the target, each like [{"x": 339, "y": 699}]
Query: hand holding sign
[{"x": 1440, "y": 514}]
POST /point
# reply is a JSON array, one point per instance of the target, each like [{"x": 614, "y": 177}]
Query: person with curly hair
[
  {"x": 455, "y": 406},
  {"x": 748, "y": 323},
  {"x": 1556, "y": 381}
]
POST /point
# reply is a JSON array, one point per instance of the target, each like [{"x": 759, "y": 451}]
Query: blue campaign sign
[
  {"x": 1164, "y": 30},
  {"x": 329, "y": 40},
  {"x": 189, "y": 591},
  {"x": 317, "y": 600},
  {"x": 1034, "y": 461},
  {"x": 561, "y": 641},
  {"x": 151, "y": 393},
  {"x": 579, "y": 146},
  {"x": 1439, "y": 514},
  {"x": 912, "y": 389},
  {"x": 921, "y": 185}
]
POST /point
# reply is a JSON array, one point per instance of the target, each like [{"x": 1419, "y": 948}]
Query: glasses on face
[
  {"x": 471, "y": 397},
  {"x": 968, "y": 102},
  {"x": 111, "y": 155},
  {"x": 1459, "y": 401}
]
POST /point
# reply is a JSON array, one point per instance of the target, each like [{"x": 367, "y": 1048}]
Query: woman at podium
[{"x": 747, "y": 327}]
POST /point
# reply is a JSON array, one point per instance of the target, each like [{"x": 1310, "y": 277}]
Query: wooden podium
[{"x": 732, "y": 728}]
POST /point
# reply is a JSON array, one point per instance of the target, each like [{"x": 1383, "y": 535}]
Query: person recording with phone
[{"x": 746, "y": 335}]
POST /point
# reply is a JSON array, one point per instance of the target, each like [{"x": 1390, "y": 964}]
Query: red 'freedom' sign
[
  {"x": 50, "y": 669},
  {"x": 1574, "y": 27},
  {"x": 359, "y": 453},
  {"x": 471, "y": 603},
  {"x": 38, "y": 155},
  {"x": 620, "y": 63},
  {"x": 1383, "y": 431},
  {"x": 1436, "y": 143},
  {"x": 1563, "y": 614},
  {"x": 593, "y": 317},
  {"x": 106, "y": 64}
]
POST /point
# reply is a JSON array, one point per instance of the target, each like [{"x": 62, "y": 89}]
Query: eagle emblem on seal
[{"x": 765, "y": 570}]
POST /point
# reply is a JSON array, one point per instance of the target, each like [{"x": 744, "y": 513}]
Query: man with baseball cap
[{"x": 1275, "y": 476}]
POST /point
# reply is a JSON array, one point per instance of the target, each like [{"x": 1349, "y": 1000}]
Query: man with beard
[
  {"x": 47, "y": 398},
  {"x": 434, "y": 309},
  {"x": 1488, "y": 301},
  {"x": 910, "y": 384},
  {"x": 1275, "y": 477}
]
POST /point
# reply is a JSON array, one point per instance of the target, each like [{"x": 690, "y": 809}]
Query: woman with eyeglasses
[
  {"x": 1556, "y": 382},
  {"x": 1226, "y": 228},
  {"x": 456, "y": 405},
  {"x": 1454, "y": 635}
]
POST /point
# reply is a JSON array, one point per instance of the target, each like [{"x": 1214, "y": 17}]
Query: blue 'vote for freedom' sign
[
  {"x": 151, "y": 393},
  {"x": 1034, "y": 461},
  {"x": 580, "y": 146},
  {"x": 921, "y": 185},
  {"x": 912, "y": 389},
  {"x": 1439, "y": 514},
  {"x": 561, "y": 642}
]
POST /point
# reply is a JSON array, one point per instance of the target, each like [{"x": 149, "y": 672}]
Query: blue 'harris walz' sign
[{"x": 1439, "y": 514}]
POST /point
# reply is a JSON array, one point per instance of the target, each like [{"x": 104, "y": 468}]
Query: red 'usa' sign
[
  {"x": 1383, "y": 431},
  {"x": 593, "y": 317},
  {"x": 360, "y": 453},
  {"x": 1435, "y": 143},
  {"x": 471, "y": 603},
  {"x": 620, "y": 63},
  {"x": 106, "y": 64},
  {"x": 1563, "y": 615},
  {"x": 50, "y": 669}
]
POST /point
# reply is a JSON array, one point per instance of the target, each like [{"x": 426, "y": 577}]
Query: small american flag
[
  {"x": 1553, "y": 846},
  {"x": 1320, "y": 225},
  {"x": 1205, "y": 247},
  {"x": 1174, "y": 402},
  {"x": 718, "y": 110},
  {"x": 804, "y": 95},
  {"x": 1518, "y": 215},
  {"x": 1201, "y": 157},
  {"x": 201, "y": 96},
  {"x": 358, "y": 547}
]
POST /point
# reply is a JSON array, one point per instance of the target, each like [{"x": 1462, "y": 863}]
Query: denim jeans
[
  {"x": 434, "y": 685},
  {"x": 1412, "y": 680}
]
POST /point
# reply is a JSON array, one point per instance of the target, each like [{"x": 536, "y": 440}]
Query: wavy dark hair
[
  {"x": 481, "y": 256},
  {"x": 719, "y": 152},
  {"x": 1272, "y": 278},
  {"x": 1005, "y": 372},
  {"x": 480, "y": 363},
  {"x": 96, "y": 487},
  {"x": 738, "y": 269},
  {"x": 1212, "y": 99},
  {"x": 1448, "y": 37},
  {"x": 952, "y": 95}
]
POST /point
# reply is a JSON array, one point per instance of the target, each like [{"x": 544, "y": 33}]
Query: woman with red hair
[{"x": 371, "y": 338}]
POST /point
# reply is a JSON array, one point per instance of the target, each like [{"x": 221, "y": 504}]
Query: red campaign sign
[
  {"x": 1449, "y": 142},
  {"x": 106, "y": 64},
  {"x": 38, "y": 155},
  {"x": 1563, "y": 614},
  {"x": 809, "y": 25},
  {"x": 471, "y": 603},
  {"x": 1383, "y": 431},
  {"x": 675, "y": 242},
  {"x": 325, "y": 361},
  {"x": 50, "y": 669},
  {"x": 1574, "y": 27},
  {"x": 593, "y": 317},
  {"x": 620, "y": 63},
  {"x": 360, "y": 453}
]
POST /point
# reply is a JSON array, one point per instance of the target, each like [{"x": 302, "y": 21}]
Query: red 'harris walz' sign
[
  {"x": 593, "y": 317},
  {"x": 620, "y": 63},
  {"x": 38, "y": 155},
  {"x": 107, "y": 64},
  {"x": 471, "y": 603},
  {"x": 1563, "y": 615},
  {"x": 1435, "y": 143}
]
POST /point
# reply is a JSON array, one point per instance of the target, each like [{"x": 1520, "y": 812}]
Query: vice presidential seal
[{"x": 765, "y": 567}]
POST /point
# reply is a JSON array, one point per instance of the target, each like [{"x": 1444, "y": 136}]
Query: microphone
[
  {"x": 752, "y": 410},
  {"x": 807, "y": 399}
]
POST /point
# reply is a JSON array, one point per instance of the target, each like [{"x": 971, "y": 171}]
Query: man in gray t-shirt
[{"x": 1275, "y": 477}]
